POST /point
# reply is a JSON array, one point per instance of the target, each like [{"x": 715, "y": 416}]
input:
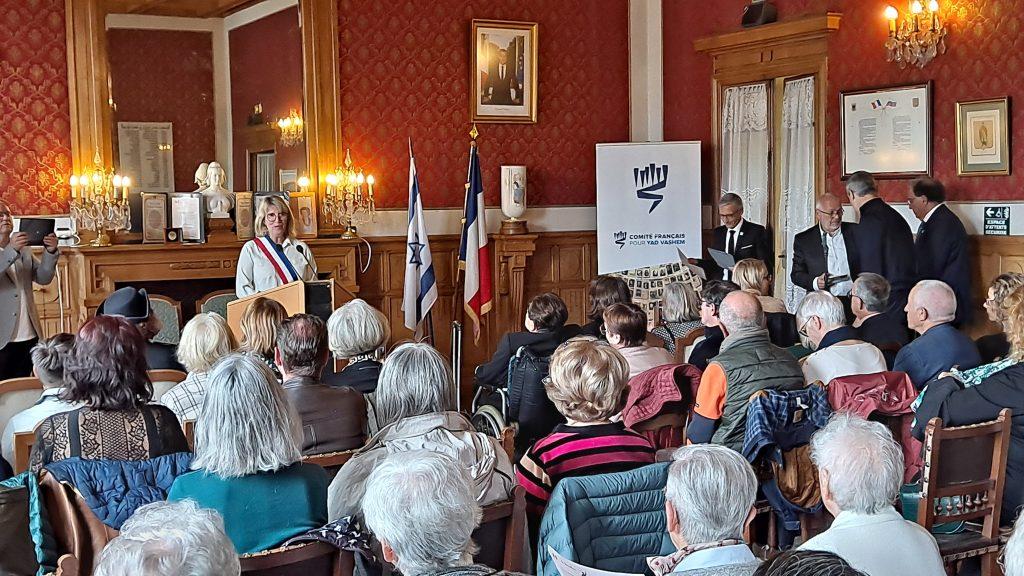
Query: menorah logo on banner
[{"x": 649, "y": 179}]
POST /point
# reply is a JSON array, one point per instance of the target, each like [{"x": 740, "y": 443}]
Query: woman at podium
[{"x": 275, "y": 257}]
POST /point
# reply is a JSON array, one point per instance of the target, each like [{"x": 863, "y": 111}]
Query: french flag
[{"x": 474, "y": 257}]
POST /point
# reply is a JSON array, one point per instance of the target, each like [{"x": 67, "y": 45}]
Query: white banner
[{"x": 648, "y": 204}]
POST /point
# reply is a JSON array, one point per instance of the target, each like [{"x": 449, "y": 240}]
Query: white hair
[
  {"x": 205, "y": 339},
  {"x": 937, "y": 298},
  {"x": 357, "y": 328},
  {"x": 246, "y": 424},
  {"x": 824, "y": 306},
  {"x": 680, "y": 303},
  {"x": 1013, "y": 553},
  {"x": 170, "y": 539},
  {"x": 414, "y": 380},
  {"x": 864, "y": 463},
  {"x": 421, "y": 505},
  {"x": 712, "y": 489}
]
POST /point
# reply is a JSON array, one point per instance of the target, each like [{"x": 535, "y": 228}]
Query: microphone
[{"x": 301, "y": 248}]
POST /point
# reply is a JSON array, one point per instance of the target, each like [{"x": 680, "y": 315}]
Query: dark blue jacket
[
  {"x": 114, "y": 489},
  {"x": 934, "y": 352},
  {"x": 943, "y": 254}
]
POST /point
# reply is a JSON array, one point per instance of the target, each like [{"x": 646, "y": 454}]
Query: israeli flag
[{"x": 420, "y": 282}]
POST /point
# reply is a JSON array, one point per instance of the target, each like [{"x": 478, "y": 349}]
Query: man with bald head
[
  {"x": 825, "y": 256},
  {"x": 747, "y": 363},
  {"x": 931, "y": 308}
]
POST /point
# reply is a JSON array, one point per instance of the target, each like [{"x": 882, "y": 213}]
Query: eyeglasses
[
  {"x": 803, "y": 329},
  {"x": 276, "y": 216},
  {"x": 833, "y": 214},
  {"x": 603, "y": 330}
]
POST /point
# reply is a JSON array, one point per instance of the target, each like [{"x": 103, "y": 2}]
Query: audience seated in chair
[
  {"x": 357, "y": 333},
  {"x": 930, "y": 309},
  {"x": 545, "y": 330},
  {"x": 869, "y": 300},
  {"x": 333, "y": 419},
  {"x": 106, "y": 373},
  {"x": 259, "y": 324},
  {"x": 48, "y": 357},
  {"x": 170, "y": 539},
  {"x": 133, "y": 305},
  {"x": 602, "y": 293},
  {"x": 709, "y": 502},
  {"x": 711, "y": 299},
  {"x": 753, "y": 277},
  {"x": 860, "y": 469},
  {"x": 748, "y": 362},
  {"x": 422, "y": 507},
  {"x": 680, "y": 314},
  {"x": 248, "y": 459},
  {"x": 625, "y": 327},
  {"x": 996, "y": 346},
  {"x": 415, "y": 403},
  {"x": 1013, "y": 553},
  {"x": 809, "y": 563},
  {"x": 205, "y": 339},
  {"x": 837, "y": 349},
  {"x": 587, "y": 383}
]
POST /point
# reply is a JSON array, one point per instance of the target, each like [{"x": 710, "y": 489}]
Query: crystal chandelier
[
  {"x": 348, "y": 197},
  {"x": 99, "y": 201},
  {"x": 291, "y": 129},
  {"x": 918, "y": 38}
]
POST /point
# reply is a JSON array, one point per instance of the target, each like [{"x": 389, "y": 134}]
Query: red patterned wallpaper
[
  {"x": 405, "y": 73},
  {"x": 266, "y": 67},
  {"x": 167, "y": 76},
  {"x": 35, "y": 131}
]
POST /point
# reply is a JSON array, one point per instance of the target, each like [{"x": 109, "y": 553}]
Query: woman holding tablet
[{"x": 275, "y": 257}]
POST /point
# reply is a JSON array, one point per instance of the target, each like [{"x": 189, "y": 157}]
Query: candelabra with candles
[
  {"x": 99, "y": 202},
  {"x": 348, "y": 197},
  {"x": 918, "y": 38}
]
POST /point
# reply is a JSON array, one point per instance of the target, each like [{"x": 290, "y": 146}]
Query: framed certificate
[
  {"x": 888, "y": 131},
  {"x": 154, "y": 217},
  {"x": 187, "y": 214}
]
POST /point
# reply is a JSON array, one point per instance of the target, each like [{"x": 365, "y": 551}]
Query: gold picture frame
[
  {"x": 303, "y": 207},
  {"x": 244, "y": 216},
  {"x": 504, "y": 72},
  {"x": 983, "y": 146}
]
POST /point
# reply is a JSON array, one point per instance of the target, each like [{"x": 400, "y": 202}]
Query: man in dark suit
[
  {"x": 738, "y": 237},
  {"x": 869, "y": 300},
  {"x": 884, "y": 242},
  {"x": 501, "y": 82},
  {"x": 941, "y": 244},
  {"x": 546, "y": 330},
  {"x": 931, "y": 308},
  {"x": 133, "y": 305},
  {"x": 825, "y": 256}
]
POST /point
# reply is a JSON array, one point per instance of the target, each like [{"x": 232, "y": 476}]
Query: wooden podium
[{"x": 318, "y": 297}]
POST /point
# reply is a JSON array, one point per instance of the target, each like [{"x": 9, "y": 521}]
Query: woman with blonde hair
[
  {"x": 587, "y": 384},
  {"x": 274, "y": 257},
  {"x": 996, "y": 346},
  {"x": 753, "y": 276},
  {"x": 259, "y": 325},
  {"x": 205, "y": 339}
]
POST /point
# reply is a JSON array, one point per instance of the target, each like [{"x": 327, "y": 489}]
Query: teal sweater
[{"x": 262, "y": 510}]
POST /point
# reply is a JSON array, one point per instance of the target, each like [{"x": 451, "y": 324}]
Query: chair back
[
  {"x": 312, "y": 559},
  {"x": 679, "y": 356},
  {"x": 76, "y": 528},
  {"x": 67, "y": 565},
  {"x": 168, "y": 310},
  {"x": 501, "y": 534},
  {"x": 188, "y": 427},
  {"x": 330, "y": 460},
  {"x": 216, "y": 302},
  {"x": 23, "y": 442},
  {"x": 163, "y": 380},
  {"x": 782, "y": 328},
  {"x": 17, "y": 394},
  {"x": 965, "y": 473}
]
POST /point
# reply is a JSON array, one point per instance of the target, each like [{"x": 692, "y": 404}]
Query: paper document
[
  {"x": 567, "y": 567},
  {"x": 723, "y": 259},
  {"x": 695, "y": 270}
]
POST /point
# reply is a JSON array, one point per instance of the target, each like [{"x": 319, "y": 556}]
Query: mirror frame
[{"x": 89, "y": 89}]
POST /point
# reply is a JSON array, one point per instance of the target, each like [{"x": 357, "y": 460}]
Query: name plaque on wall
[{"x": 147, "y": 156}]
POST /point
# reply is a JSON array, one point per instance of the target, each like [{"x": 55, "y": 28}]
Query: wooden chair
[
  {"x": 163, "y": 380},
  {"x": 963, "y": 480},
  {"x": 216, "y": 302},
  {"x": 67, "y": 565},
  {"x": 683, "y": 343},
  {"x": 330, "y": 460},
  {"x": 23, "y": 442},
  {"x": 168, "y": 310},
  {"x": 17, "y": 394},
  {"x": 188, "y": 427},
  {"x": 502, "y": 533},
  {"x": 508, "y": 442},
  {"x": 313, "y": 559}
]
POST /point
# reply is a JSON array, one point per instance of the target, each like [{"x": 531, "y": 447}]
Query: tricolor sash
[{"x": 275, "y": 253}]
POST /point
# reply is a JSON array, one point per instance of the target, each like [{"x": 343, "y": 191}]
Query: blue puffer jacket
[
  {"x": 113, "y": 489},
  {"x": 608, "y": 521}
]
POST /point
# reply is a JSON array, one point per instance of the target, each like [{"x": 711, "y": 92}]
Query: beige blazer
[{"x": 28, "y": 270}]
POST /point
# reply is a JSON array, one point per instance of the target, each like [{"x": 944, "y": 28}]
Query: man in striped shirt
[{"x": 587, "y": 384}]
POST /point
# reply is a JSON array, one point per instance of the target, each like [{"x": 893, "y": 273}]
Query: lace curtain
[
  {"x": 745, "y": 138},
  {"x": 797, "y": 165}
]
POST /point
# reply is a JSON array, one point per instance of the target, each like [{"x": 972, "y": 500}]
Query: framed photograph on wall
[
  {"x": 303, "y": 206},
  {"x": 154, "y": 217},
  {"x": 887, "y": 131},
  {"x": 983, "y": 137},
  {"x": 504, "y": 67}
]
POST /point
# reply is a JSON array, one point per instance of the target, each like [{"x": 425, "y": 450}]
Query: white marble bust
[{"x": 219, "y": 200}]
